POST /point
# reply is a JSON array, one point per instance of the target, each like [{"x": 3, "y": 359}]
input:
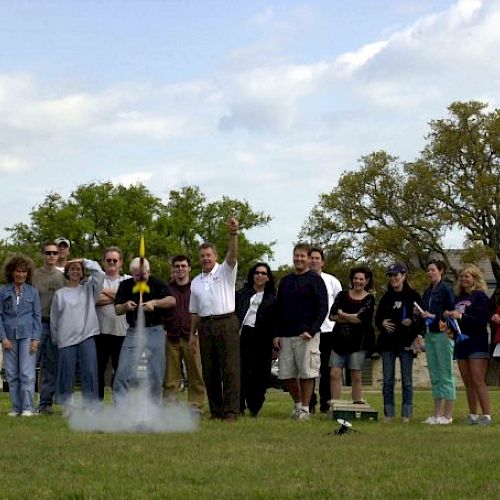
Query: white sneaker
[
  {"x": 295, "y": 413},
  {"x": 445, "y": 421},
  {"x": 436, "y": 421},
  {"x": 431, "y": 420},
  {"x": 13, "y": 414},
  {"x": 303, "y": 415},
  {"x": 483, "y": 420},
  {"x": 27, "y": 413},
  {"x": 472, "y": 420}
]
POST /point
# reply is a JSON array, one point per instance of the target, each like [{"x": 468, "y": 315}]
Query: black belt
[{"x": 217, "y": 316}]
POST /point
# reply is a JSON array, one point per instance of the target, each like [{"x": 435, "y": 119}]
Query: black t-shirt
[{"x": 157, "y": 290}]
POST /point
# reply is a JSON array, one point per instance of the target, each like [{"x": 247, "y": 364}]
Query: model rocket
[{"x": 141, "y": 286}]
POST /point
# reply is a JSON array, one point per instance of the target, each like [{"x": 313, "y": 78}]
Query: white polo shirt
[
  {"x": 333, "y": 287},
  {"x": 212, "y": 293}
]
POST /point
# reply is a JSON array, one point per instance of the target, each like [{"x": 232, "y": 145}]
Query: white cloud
[
  {"x": 351, "y": 61},
  {"x": 440, "y": 58},
  {"x": 133, "y": 124},
  {"x": 133, "y": 178},
  {"x": 267, "y": 98},
  {"x": 11, "y": 164}
]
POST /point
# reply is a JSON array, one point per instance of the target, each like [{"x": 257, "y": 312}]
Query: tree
[
  {"x": 380, "y": 213},
  {"x": 462, "y": 156},
  {"x": 97, "y": 215}
]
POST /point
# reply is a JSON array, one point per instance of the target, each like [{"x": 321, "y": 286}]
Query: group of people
[{"x": 226, "y": 339}]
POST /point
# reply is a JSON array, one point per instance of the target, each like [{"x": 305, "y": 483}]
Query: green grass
[{"x": 268, "y": 457}]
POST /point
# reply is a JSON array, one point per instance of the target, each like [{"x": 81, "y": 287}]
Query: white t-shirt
[
  {"x": 333, "y": 287},
  {"x": 109, "y": 322},
  {"x": 251, "y": 315},
  {"x": 212, "y": 293}
]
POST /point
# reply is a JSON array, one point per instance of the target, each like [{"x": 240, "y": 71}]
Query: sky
[{"x": 267, "y": 101}]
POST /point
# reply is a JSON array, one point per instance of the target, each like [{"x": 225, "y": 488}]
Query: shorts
[
  {"x": 299, "y": 358},
  {"x": 353, "y": 361},
  {"x": 462, "y": 356},
  {"x": 475, "y": 347}
]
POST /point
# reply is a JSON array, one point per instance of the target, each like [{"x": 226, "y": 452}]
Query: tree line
[{"x": 98, "y": 215}]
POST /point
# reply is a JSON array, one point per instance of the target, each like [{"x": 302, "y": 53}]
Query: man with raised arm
[{"x": 214, "y": 323}]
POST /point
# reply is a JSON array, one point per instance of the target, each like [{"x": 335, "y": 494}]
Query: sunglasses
[
  {"x": 48, "y": 252},
  {"x": 263, "y": 273},
  {"x": 111, "y": 261}
]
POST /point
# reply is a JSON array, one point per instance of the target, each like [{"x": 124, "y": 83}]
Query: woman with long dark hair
[
  {"x": 472, "y": 354},
  {"x": 399, "y": 326},
  {"x": 253, "y": 308},
  {"x": 438, "y": 346},
  {"x": 353, "y": 335}
]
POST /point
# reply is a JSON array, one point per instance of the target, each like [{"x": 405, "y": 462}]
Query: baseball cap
[
  {"x": 396, "y": 268},
  {"x": 58, "y": 241}
]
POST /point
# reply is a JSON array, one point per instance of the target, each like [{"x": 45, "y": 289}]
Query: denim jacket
[{"x": 23, "y": 320}]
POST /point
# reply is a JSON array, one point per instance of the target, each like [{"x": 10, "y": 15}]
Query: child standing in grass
[{"x": 20, "y": 331}]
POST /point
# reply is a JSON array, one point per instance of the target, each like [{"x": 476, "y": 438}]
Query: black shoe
[{"x": 45, "y": 410}]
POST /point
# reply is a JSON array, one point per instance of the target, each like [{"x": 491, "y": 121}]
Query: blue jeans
[
  {"x": 389, "y": 368},
  {"x": 20, "y": 369},
  {"x": 67, "y": 357},
  {"x": 126, "y": 375},
  {"x": 48, "y": 366}
]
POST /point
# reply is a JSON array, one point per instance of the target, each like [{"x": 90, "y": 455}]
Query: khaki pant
[{"x": 176, "y": 352}]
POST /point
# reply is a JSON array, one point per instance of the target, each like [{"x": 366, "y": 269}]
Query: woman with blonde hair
[{"x": 472, "y": 354}]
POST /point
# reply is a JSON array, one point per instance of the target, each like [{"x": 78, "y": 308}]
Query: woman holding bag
[{"x": 353, "y": 333}]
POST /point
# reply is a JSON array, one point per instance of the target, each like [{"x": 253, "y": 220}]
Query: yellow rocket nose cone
[{"x": 140, "y": 287}]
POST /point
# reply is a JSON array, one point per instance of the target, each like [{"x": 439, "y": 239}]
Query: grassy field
[{"x": 267, "y": 457}]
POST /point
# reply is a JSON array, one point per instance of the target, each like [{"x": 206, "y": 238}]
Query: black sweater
[{"x": 301, "y": 305}]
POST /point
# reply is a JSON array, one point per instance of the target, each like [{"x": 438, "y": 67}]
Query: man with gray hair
[
  {"x": 128, "y": 300},
  {"x": 215, "y": 325}
]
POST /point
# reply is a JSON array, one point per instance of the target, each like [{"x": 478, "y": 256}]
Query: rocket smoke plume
[{"x": 140, "y": 413}]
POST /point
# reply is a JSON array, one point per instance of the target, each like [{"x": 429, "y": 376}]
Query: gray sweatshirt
[{"x": 73, "y": 317}]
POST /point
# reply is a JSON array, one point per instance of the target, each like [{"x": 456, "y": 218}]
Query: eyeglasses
[
  {"x": 181, "y": 266},
  {"x": 263, "y": 273},
  {"x": 48, "y": 252},
  {"x": 111, "y": 261}
]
